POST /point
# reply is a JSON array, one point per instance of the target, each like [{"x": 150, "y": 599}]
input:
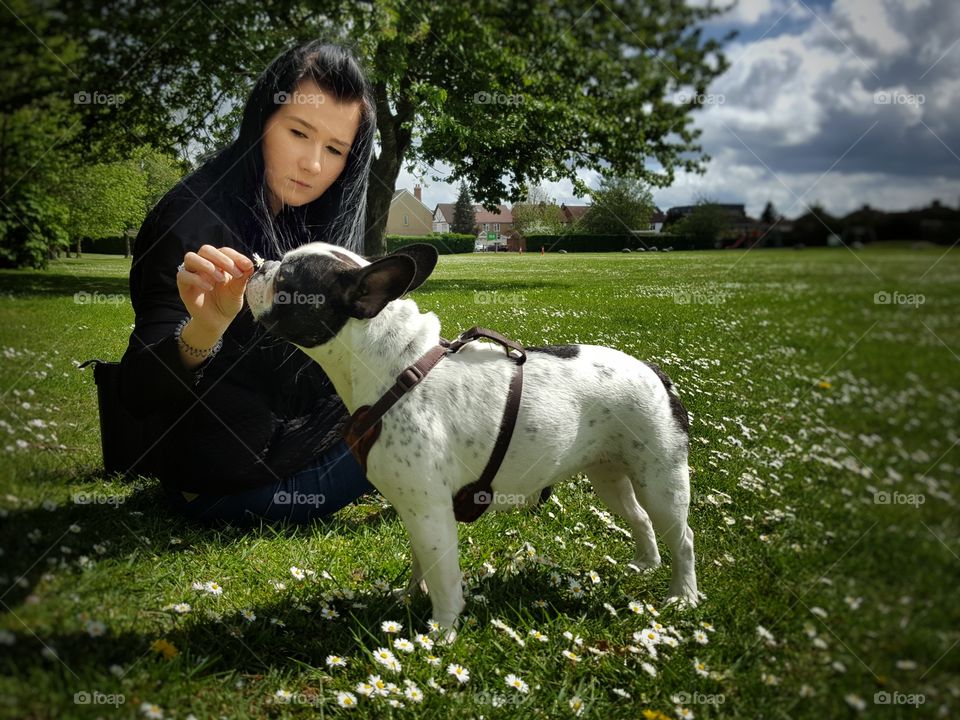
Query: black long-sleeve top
[{"x": 257, "y": 411}]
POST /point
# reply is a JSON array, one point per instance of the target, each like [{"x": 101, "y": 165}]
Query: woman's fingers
[
  {"x": 221, "y": 260},
  {"x": 244, "y": 263},
  {"x": 195, "y": 279}
]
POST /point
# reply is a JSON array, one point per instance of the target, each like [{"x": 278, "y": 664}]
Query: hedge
[
  {"x": 613, "y": 243},
  {"x": 445, "y": 243}
]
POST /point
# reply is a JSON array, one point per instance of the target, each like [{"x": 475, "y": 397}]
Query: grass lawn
[{"x": 825, "y": 477}]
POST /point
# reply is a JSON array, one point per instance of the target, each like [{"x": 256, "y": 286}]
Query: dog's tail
[{"x": 677, "y": 408}]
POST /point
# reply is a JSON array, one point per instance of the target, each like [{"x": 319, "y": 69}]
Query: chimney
[{"x": 417, "y": 193}]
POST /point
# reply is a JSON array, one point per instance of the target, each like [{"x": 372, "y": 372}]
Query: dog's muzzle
[{"x": 259, "y": 293}]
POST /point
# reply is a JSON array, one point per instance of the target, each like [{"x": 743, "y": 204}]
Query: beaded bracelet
[{"x": 192, "y": 351}]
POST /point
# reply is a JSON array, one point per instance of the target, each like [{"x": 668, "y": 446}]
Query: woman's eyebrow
[{"x": 311, "y": 127}]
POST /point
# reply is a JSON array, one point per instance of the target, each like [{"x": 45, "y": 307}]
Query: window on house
[
  {"x": 496, "y": 227},
  {"x": 406, "y": 219},
  {"x": 486, "y": 226}
]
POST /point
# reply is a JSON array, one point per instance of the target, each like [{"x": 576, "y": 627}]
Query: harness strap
[{"x": 363, "y": 428}]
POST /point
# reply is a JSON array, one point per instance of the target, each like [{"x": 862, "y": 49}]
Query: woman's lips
[{"x": 301, "y": 184}]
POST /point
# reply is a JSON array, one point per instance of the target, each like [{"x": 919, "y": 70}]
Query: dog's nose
[{"x": 265, "y": 266}]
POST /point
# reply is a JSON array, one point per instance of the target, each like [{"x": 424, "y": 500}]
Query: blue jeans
[{"x": 316, "y": 492}]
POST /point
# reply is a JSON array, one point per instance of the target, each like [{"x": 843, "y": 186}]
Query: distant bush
[{"x": 445, "y": 243}]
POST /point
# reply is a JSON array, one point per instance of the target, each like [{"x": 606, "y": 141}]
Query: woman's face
[{"x": 305, "y": 144}]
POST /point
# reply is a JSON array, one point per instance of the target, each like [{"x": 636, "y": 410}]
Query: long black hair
[{"x": 238, "y": 172}]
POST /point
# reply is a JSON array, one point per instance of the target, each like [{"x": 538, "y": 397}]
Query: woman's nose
[{"x": 312, "y": 164}]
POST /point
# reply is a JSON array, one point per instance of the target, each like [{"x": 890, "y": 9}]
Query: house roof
[
  {"x": 504, "y": 215},
  {"x": 572, "y": 213},
  {"x": 401, "y": 191}
]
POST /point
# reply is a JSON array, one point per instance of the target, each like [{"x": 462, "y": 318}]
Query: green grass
[{"x": 808, "y": 399}]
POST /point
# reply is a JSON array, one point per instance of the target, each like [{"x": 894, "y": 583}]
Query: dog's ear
[
  {"x": 424, "y": 255},
  {"x": 379, "y": 283}
]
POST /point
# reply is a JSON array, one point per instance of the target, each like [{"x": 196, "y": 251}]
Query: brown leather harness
[{"x": 363, "y": 428}]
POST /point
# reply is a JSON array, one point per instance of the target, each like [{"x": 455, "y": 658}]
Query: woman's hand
[{"x": 211, "y": 286}]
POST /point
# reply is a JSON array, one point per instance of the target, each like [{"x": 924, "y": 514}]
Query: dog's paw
[
  {"x": 412, "y": 590},
  {"x": 644, "y": 564},
  {"x": 687, "y": 599}
]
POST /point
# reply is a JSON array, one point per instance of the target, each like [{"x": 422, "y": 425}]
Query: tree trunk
[
  {"x": 383, "y": 179},
  {"x": 384, "y": 170}
]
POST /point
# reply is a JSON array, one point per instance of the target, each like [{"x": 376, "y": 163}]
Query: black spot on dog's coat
[{"x": 566, "y": 352}]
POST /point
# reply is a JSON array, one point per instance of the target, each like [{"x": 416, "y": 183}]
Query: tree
[
  {"x": 504, "y": 92},
  {"x": 537, "y": 214},
  {"x": 770, "y": 214},
  {"x": 620, "y": 206},
  {"x": 464, "y": 218},
  {"x": 704, "y": 224},
  {"x": 104, "y": 200}
]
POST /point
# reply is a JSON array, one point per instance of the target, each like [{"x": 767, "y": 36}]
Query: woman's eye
[
  {"x": 298, "y": 133},
  {"x": 334, "y": 151}
]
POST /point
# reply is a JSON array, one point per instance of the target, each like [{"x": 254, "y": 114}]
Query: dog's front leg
[{"x": 433, "y": 537}]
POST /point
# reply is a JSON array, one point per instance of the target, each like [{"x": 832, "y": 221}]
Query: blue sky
[{"x": 839, "y": 102}]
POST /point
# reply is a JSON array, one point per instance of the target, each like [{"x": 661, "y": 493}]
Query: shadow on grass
[
  {"x": 287, "y": 635},
  {"x": 61, "y": 284},
  {"x": 114, "y": 521}
]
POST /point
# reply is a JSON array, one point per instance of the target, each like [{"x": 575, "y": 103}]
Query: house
[
  {"x": 499, "y": 222},
  {"x": 408, "y": 215},
  {"x": 572, "y": 213},
  {"x": 657, "y": 220}
]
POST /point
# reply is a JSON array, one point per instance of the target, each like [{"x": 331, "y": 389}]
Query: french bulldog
[{"x": 584, "y": 408}]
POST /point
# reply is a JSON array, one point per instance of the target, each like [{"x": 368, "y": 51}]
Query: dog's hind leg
[
  {"x": 416, "y": 586},
  {"x": 614, "y": 488},
  {"x": 665, "y": 494},
  {"x": 433, "y": 537}
]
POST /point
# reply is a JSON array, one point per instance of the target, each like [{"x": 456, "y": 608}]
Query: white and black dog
[{"x": 584, "y": 408}]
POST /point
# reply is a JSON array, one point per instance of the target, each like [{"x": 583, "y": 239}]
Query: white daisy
[
  {"x": 95, "y": 628},
  {"x": 423, "y": 641},
  {"x": 683, "y": 713},
  {"x": 516, "y": 683},
  {"x": 700, "y": 668},
  {"x": 432, "y": 660},
  {"x": 248, "y": 615},
  {"x": 297, "y": 573},
  {"x": 459, "y": 672},
  {"x": 635, "y": 607},
  {"x": 365, "y": 689},
  {"x": 283, "y": 696},
  {"x": 346, "y": 699},
  {"x": 649, "y": 669},
  {"x": 576, "y": 705},
  {"x": 213, "y": 588},
  {"x": 335, "y": 661},
  {"x": 571, "y": 656},
  {"x": 390, "y": 626},
  {"x": 182, "y": 608},
  {"x": 700, "y": 636},
  {"x": 384, "y": 657},
  {"x": 403, "y": 645},
  {"x": 151, "y": 711},
  {"x": 855, "y": 701},
  {"x": 414, "y": 694}
]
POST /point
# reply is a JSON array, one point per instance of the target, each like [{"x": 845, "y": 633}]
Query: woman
[{"x": 245, "y": 427}]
